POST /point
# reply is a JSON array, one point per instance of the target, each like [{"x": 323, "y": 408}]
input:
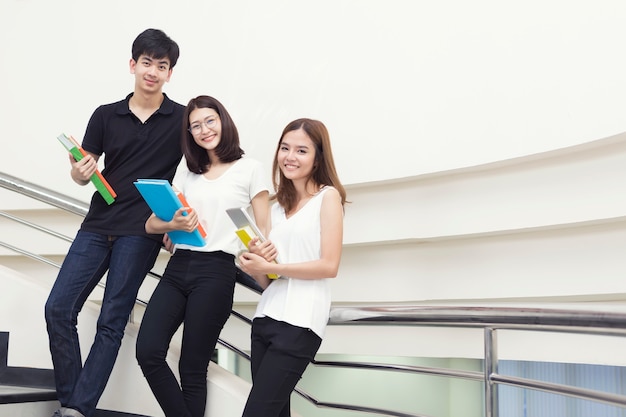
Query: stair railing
[{"x": 490, "y": 318}]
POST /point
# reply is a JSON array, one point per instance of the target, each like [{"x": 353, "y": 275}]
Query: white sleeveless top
[{"x": 300, "y": 302}]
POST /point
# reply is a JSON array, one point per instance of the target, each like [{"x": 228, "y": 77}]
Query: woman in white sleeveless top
[{"x": 305, "y": 239}]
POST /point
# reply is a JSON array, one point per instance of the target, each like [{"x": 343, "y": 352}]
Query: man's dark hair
[{"x": 154, "y": 43}]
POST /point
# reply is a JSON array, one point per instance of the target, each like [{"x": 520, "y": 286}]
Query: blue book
[{"x": 164, "y": 202}]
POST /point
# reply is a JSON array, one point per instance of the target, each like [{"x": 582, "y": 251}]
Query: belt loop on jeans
[{"x": 110, "y": 240}]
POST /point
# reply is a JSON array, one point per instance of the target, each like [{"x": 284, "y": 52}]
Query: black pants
[
  {"x": 280, "y": 354},
  {"x": 197, "y": 288}
]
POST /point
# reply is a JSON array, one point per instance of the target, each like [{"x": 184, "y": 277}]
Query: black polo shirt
[{"x": 132, "y": 150}]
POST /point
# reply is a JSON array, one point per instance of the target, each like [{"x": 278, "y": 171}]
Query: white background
[{"x": 405, "y": 87}]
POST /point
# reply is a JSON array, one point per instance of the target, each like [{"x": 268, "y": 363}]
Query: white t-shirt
[
  {"x": 236, "y": 187},
  {"x": 300, "y": 302}
]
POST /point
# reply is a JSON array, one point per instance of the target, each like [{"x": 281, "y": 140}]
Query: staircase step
[
  {"x": 33, "y": 409},
  {"x": 12, "y": 394},
  {"x": 109, "y": 413},
  {"x": 32, "y": 389}
]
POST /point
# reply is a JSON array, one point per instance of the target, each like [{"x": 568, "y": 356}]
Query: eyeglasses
[{"x": 196, "y": 128}]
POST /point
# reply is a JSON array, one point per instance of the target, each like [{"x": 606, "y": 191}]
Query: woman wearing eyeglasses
[{"x": 198, "y": 283}]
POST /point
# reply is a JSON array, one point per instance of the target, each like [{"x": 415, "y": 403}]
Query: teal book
[{"x": 164, "y": 202}]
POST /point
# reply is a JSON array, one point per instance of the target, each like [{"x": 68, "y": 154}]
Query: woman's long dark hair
[{"x": 227, "y": 150}]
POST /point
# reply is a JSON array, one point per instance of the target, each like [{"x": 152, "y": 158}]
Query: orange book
[
  {"x": 103, "y": 187},
  {"x": 184, "y": 202}
]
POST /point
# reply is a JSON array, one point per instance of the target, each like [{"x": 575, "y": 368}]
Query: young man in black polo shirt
[{"x": 140, "y": 138}]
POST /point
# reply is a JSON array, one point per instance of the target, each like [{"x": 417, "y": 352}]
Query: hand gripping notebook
[
  {"x": 97, "y": 179},
  {"x": 246, "y": 228},
  {"x": 164, "y": 202}
]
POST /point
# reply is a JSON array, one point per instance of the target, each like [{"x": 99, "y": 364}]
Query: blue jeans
[
  {"x": 197, "y": 289},
  {"x": 128, "y": 259}
]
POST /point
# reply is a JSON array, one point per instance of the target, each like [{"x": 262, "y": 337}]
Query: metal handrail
[
  {"x": 489, "y": 317},
  {"x": 590, "y": 320},
  {"x": 43, "y": 194}
]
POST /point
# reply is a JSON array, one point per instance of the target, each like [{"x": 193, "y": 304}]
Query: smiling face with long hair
[{"x": 296, "y": 156}]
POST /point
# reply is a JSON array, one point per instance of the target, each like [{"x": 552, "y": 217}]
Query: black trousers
[
  {"x": 280, "y": 354},
  {"x": 197, "y": 288}
]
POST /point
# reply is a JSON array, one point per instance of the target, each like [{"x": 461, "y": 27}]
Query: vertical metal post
[{"x": 491, "y": 367}]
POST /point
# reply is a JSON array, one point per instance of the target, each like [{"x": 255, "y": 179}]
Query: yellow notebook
[{"x": 246, "y": 228}]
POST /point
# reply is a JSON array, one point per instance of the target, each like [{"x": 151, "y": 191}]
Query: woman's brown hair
[{"x": 324, "y": 172}]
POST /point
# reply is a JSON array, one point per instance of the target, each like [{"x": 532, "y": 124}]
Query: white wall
[
  {"x": 405, "y": 87},
  {"x": 480, "y": 139},
  {"x": 482, "y": 142}
]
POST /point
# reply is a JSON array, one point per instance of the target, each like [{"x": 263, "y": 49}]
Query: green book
[{"x": 103, "y": 187}]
